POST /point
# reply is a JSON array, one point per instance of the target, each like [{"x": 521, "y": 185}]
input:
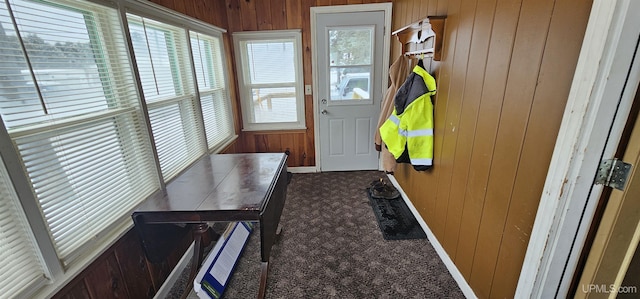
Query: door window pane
[{"x": 350, "y": 63}]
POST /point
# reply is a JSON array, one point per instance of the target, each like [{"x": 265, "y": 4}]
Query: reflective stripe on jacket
[{"x": 409, "y": 128}]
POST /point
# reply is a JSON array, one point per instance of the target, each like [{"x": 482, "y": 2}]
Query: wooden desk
[{"x": 221, "y": 187}]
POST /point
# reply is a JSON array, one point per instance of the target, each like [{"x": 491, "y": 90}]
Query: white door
[{"x": 349, "y": 49}]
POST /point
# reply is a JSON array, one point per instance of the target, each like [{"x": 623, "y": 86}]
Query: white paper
[{"x": 223, "y": 266}]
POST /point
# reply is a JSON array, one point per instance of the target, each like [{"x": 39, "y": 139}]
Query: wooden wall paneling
[
  {"x": 233, "y": 16},
  {"x": 248, "y": 15},
  {"x": 399, "y": 20},
  {"x": 451, "y": 129},
  {"x": 231, "y": 149},
  {"x": 287, "y": 143},
  {"x": 190, "y": 9},
  {"x": 105, "y": 280},
  {"x": 205, "y": 10},
  {"x": 176, "y": 255},
  {"x": 301, "y": 150},
  {"x": 249, "y": 143},
  {"x": 220, "y": 14},
  {"x": 432, "y": 8},
  {"x": 476, "y": 77},
  {"x": 400, "y": 9},
  {"x": 323, "y": 2},
  {"x": 309, "y": 141},
  {"x": 130, "y": 257},
  {"x": 165, "y": 3},
  {"x": 561, "y": 51},
  {"x": 274, "y": 143},
  {"x": 528, "y": 48},
  {"x": 308, "y": 80},
  {"x": 295, "y": 152},
  {"x": 497, "y": 72},
  {"x": 74, "y": 290},
  {"x": 632, "y": 277},
  {"x": 263, "y": 14},
  {"x": 201, "y": 9},
  {"x": 422, "y": 9},
  {"x": 279, "y": 14},
  {"x": 261, "y": 143},
  {"x": 159, "y": 273},
  {"x": 416, "y": 13},
  {"x": 180, "y": 6},
  {"x": 339, "y": 2},
  {"x": 442, "y": 8},
  {"x": 427, "y": 184},
  {"x": 294, "y": 14}
]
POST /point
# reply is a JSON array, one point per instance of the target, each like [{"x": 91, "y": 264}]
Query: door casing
[
  {"x": 618, "y": 231},
  {"x": 605, "y": 81},
  {"x": 315, "y": 11}
]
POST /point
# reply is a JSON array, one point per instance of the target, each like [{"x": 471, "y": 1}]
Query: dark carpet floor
[{"x": 331, "y": 246}]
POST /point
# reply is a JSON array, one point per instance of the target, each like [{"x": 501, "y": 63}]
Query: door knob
[{"x": 324, "y": 111}]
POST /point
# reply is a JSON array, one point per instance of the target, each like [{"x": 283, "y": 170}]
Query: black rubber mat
[{"x": 395, "y": 219}]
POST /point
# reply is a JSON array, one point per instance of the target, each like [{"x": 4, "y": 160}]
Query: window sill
[{"x": 276, "y": 129}]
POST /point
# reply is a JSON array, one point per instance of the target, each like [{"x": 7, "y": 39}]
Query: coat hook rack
[{"x": 424, "y": 37}]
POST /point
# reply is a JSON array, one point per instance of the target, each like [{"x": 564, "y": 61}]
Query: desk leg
[
  {"x": 263, "y": 280},
  {"x": 198, "y": 231}
]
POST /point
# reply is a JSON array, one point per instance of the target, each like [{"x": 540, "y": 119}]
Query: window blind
[
  {"x": 270, "y": 79},
  {"x": 216, "y": 108},
  {"x": 21, "y": 268},
  {"x": 162, "y": 57},
  {"x": 70, "y": 105}
]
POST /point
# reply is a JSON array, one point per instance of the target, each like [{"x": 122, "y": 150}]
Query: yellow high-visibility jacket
[{"x": 408, "y": 132}]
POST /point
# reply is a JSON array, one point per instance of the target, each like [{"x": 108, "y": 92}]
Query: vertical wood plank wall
[{"x": 503, "y": 82}]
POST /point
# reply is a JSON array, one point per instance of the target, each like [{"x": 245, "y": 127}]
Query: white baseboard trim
[
  {"x": 302, "y": 169},
  {"x": 163, "y": 292},
  {"x": 457, "y": 276}
]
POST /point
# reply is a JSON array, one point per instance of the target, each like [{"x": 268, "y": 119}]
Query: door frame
[
  {"x": 616, "y": 236},
  {"x": 604, "y": 84},
  {"x": 315, "y": 11}
]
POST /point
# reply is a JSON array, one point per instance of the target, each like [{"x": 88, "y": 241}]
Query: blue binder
[{"x": 222, "y": 260}]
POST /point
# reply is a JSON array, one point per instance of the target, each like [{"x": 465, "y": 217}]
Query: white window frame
[
  {"x": 226, "y": 140},
  {"x": 185, "y": 99},
  {"x": 246, "y": 97},
  {"x": 57, "y": 274}
]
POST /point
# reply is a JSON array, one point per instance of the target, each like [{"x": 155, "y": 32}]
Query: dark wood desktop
[{"x": 219, "y": 187}]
